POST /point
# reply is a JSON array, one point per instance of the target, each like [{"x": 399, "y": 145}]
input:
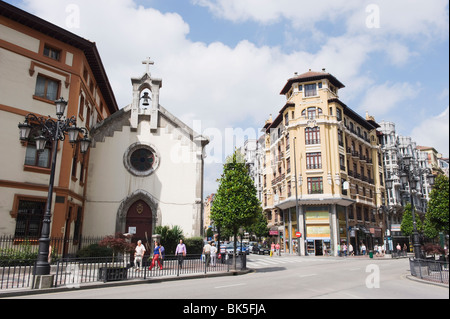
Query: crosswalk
[{"x": 254, "y": 262}]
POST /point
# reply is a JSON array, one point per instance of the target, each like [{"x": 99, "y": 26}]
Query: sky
[{"x": 223, "y": 63}]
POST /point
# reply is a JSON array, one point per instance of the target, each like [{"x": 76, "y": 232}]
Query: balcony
[{"x": 278, "y": 179}]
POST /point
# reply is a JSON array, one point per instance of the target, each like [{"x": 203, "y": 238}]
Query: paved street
[{"x": 285, "y": 277}]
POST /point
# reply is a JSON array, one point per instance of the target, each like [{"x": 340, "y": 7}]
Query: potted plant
[{"x": 120, "y": 245}]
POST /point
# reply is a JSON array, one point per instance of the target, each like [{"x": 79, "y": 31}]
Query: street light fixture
[
  {"x": 408, "y": 176},
  {"x": 51, "y": 130}
]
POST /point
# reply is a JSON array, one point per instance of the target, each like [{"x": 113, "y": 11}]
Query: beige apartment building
[
  {"x": 322, "y": 177},
  {"x": 40, "y": 63}
]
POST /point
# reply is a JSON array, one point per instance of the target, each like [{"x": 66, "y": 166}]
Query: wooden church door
[{"x": 139, "y": 221}]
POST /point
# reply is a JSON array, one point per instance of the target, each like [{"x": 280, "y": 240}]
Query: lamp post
[
  {"x": 51, "y": 130},
  {"x": 407, "y": 176},
  {"x": 388, "y": 184}
]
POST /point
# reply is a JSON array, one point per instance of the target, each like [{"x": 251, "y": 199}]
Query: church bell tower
[{"x": 141, "y": 86}]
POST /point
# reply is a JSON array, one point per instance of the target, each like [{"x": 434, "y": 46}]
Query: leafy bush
[
  {"x": 94, "y": 250},
  {"x": 194, "y": 245},
  {"x": 433, "y": 249}
]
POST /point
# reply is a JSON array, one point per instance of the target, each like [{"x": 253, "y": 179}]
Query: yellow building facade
[{"x": 323, "y": 171}]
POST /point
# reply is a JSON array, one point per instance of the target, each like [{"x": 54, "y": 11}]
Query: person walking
[
  {"x": 156, "y": 255},
  {"x": 163, "y": 254},
  {"x": 180, "y": 251},
  {"x": 350, "y": 250},
  {"x": 138, "y": 255},
  {"x": 213, "y": 254},
  {"x": 363, "y": 249},
  {"x": 277, "y": 248},
  {"x": 207, "y": 253}
]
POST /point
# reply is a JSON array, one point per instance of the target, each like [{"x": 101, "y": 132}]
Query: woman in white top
[{"x": 213, "y": 253}]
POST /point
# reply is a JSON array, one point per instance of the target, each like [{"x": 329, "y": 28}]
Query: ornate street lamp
[
  {"x": 389, "y": 184},
  {"x": 55, "y": 131},
  {"x": 407, "y": 176}
]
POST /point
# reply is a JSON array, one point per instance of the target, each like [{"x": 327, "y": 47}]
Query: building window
[
  {"x": 315, "y": 185},
  {"x": 310, "y": 90},
  {"x": 29, "y": 219},
  {"x": 340, "y": 138},
  {"x": 313, "y": 160},
  {"x": 47, "y": 88},
  {"x": 141, "y": 159},
  {"x": 338, "y": 114},
  {"x": 312, "y": 135},
  {"x": 52, "y": 53}
]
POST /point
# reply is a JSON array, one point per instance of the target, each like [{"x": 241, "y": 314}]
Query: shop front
[{"x": 318, "y": 237}]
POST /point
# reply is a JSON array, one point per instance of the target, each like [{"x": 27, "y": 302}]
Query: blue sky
[{"x": 224, "y": 62}]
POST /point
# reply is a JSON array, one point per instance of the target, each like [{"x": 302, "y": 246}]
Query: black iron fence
[
  {"x": 429, "y": 269},
  {"x": 27, "y": 248},
  {"x": 74, "y": 272}
]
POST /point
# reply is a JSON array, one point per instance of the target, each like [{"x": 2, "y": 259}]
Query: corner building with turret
[{"x": 322, "y": 174}]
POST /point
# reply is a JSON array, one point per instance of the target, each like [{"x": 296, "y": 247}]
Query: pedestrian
[
  {"x": 180, "y": 251},
  {"x": 272, "y": 249},
  {"x": 405, "y": 248},
  {"x": 339, "y": 249},
  {"x": 344, "y": 248},
  {"x": 350, "y": 250},
  {"x": 399, "y": 248},
  {"x": 213, "y": 255},
  {"x": 163, "y": 254},
  {"x": 207, "y": 253},
  {"x": 138, "y": 255},
  {"x": 380, "y": 250},
  {"x": 156, "y": 255},
  {"x": 277, "y": 247},
  {"x": 375, "y": 248},
  {"x": 363, "y": 249}
]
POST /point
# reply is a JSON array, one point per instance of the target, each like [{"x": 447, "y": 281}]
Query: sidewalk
[{"x": 15, "y": 292}]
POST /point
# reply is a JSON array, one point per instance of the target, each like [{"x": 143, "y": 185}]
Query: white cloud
[
  {"x": 402, "y": 17},
  {"x": 434, "y": 132},
  {"x": 388, "y": 97},
  {"x": 225, "y": 86}
]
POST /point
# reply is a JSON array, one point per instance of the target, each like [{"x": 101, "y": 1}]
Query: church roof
[{"x": 311, "y": 76}]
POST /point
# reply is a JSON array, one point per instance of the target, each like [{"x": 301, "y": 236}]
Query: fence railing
[
  {"x": 431, "y": 270},
  {"x": 61, "y": 246},
  {"x": 73, "y": 272}
]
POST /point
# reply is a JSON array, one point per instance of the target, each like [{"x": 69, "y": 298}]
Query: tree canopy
[
  {"x": 436, "y": 218},
  {"x": 235, "y": 204}
]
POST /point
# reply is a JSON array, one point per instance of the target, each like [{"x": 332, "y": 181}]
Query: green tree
[
  {"x": 436, "y": 218},
  {"x": 407, "y": 226},
  {"x": 259, "y": 227},
  {"x": 235, "y": 204}
]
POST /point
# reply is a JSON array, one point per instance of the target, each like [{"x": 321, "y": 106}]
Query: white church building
[{"x": 145, "y": 169}]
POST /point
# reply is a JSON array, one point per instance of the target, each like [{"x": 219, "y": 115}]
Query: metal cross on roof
[{"x": 148, "y": 62}]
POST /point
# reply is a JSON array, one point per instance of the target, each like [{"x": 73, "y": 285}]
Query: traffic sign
[{"x": 298, "y": 234}]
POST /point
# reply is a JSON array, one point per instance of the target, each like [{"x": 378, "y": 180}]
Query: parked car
[
  {"x": 261, "y": 250},
  {"x": 230, "y": 248},
  {"x": 251, "y": 245}
]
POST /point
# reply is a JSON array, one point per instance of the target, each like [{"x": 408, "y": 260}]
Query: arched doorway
[{"x": 139, "y": 221}]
